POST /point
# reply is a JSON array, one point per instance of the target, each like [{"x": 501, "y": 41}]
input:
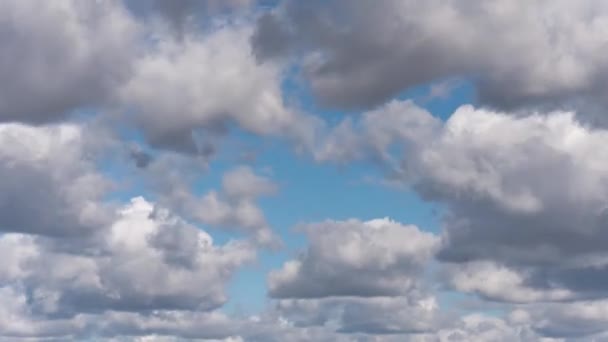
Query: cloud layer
[
  {"x": 358, "y": 53},
  {"x": 125, "y": 215}
]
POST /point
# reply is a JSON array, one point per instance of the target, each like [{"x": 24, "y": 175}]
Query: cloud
[
  {"x": 116, "y": 64},
  {"x": 69, "y": 55},
  {"x": 147, "y": 261},
  {"x": 205, "y": 83},
  {"x": 528, "y": 193},
  {"x": 391, "y": 256},
  {"x": 50, "y": 187},
  {"x": 523, "y": 185},
  {"x": 584, "y": 319},
  {"x": 373, "y": 316},
  {"x": 233, "y": 207},
  {"x": 241, "y": 182},
  {"x": 181, "y": 13},
  {"x": 478, "y": 327},
  {"x": 490, "y": 280},
  {"x": 80, "y": 266},
  {"x": 519, "y": 53},
  {"x": 358, "y": 277}
]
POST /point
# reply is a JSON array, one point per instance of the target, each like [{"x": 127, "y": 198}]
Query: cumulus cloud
[
  {"x": 584, "y": 319},
  {"x": 498, "y": 282},
  {"x": 184, "y": 12},
  {"x": 373, "y": 316},
  {"x": 390, "y": 254},
  {"x": 146, "y": 261},
  {"x": 50, "y": 187},
  {"x": 77, "y": 265},
  {"x": 63, "y": 55},
  {"x": 233, "y": 207},
  {"x": 359, "y": 277},
  {"x": 205, "y": 83},
  {"x": 102, "y": 57},
  {"x": 361, "y": 53},
  {"x": 529, "y": 193},
  {"x": 523, "y": 187}
]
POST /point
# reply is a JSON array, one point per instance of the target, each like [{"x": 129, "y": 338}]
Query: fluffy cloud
[
  {"x": 185, "y": 12},
  {"x": 528, "y": 193},
  {"x": 77, "y": 266},
  {"x": 390, "y": 254},
  {"x": 70, "y": 54},
  {"x": 373, "y": 316},
  {"x": 477, "y": 327},
  {"x": 358, "y": 278},
  {"x": 584, "y": 319},
  {"x": 361, "y": 53},
  {"x": 524, "y": 195},
  {"x": 233, "y": 207},
  {"x": 236, "y": 210},
  {"x": 205, "y": 83},
  {"x": 498, "y": 282},
  {"x": 146, "y": 261},
  {"x": 100, "y": 56},
  {"x": 50, "y": 187}
]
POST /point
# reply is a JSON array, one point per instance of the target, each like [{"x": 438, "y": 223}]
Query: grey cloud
[
  {"x": 233, "y": 207},
  {"x": 571, "y": 321},
  {"x": 180, "y": 13},
  {"x": 184, "y": 16},
  {"x": 169, "y": 326},
  {"x": 528, "y": 192},
  {"x": 76, "y": 267},
  {"x": 241, "y": 182},
  {"x": 498, "y": 282},
  {"x": 382, "y": 316},
  {"x": 479, "y": 327},
  {"x": 141, "y": 158},
  {"x": 206, "y": 83},
  {"x": 63, "y": 56},
  {"x": 148, "y": 263},
  {"x": 519, "y": 53},
  {"x": 391, "y": 255},
  {"x": 363, "y": 280},
  {"x": 49, "y": 186},
  {"x": 99, "y": 57}
]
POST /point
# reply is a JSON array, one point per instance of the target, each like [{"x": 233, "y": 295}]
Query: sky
[{"x": 288, "y": 170}]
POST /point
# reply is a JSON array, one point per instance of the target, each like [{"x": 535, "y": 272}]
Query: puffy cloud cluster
[
  {"x": 74, "y": 264},
  {"x": 234, "y": 207},
  {"x": 391, "y": 255},
  {"x": 98, "y": 55},
  {"x": 48, "y": 186},
  {"x": 525, "y": 196},
  {"x": 521, "y": 177},
  {"x": 205, "y": 83},
  {"x": 359, "y": 277},
  {"x": 70, "y": 54},
  {"x": 361, "y": 53}
]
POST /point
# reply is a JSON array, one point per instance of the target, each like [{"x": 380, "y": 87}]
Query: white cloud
[
  {"x": 146, "y": 261},
  {"x": 528, "y": 193},
  {"x": 233, "y": 207},
  {"x": 205, "y": 83},
  {"x": 358, "y": 53},
  {"x": 389, "y": 254},
  {"x": 49, "y": 186},
  {"x": 501, "y": 283}
]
